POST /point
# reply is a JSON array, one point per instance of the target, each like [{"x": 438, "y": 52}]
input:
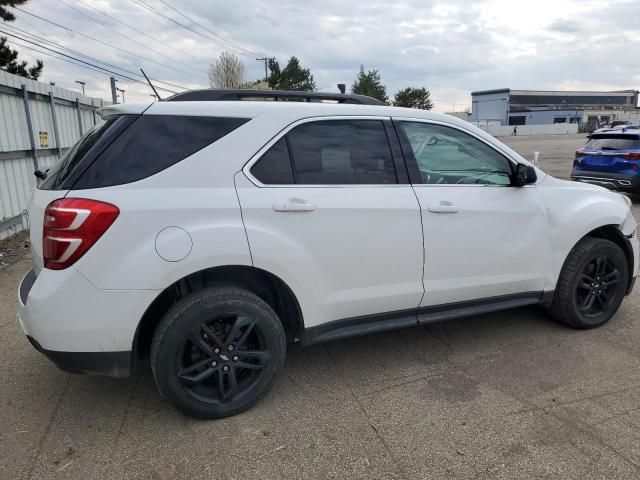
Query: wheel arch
[
  {"x": 269, "y": 287},
  {"x": 609, "y": 232}
]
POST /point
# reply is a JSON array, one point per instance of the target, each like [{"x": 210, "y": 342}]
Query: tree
[
  {"x": 369, "y": 83},
  {"x": 8, "y": 56},
  {"x": 414, "y": 98},
  {"x": 255, "y": 85},
  {"x": 227, "y": 71},
  {"x": 292, "y": 77}
]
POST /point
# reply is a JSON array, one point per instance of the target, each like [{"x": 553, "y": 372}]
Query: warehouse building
[{"x": 531, "y": 107}]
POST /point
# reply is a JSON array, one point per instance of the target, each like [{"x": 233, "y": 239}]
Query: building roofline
[
  {"x": 557, "y": 92},
  {"x": 488, "y": 92}
]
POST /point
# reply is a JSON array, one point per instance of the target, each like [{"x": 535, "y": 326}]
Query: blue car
[{"x": 610, "y": 159}]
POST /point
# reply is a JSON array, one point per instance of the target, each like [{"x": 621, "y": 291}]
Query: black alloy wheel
[
  {"x": 597, "y": 286},
  {"x": 223, "y": 358},
  {"x": 592, "y": 284},
  {"x": 217, "y": 351}
]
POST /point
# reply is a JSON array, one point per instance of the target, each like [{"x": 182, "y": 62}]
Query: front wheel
[
  {"x": 217, "y": 352},
  {"x": 592, "y": 284}
]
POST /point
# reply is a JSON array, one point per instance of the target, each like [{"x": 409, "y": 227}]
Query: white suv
[{"x": 206, "y": 235}]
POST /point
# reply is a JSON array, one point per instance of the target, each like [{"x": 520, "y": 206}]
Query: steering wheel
[{"x": 475, "y": 179}]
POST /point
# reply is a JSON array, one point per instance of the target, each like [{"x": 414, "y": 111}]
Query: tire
[
  {"x": 586, "y": 280},
  {"x": 217, "y": 352}
]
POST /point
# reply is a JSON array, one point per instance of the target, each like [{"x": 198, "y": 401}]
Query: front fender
[{"x": 573, "y": 212}]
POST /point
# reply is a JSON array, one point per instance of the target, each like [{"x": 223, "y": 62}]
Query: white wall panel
[{"x": 16, "y": 163}]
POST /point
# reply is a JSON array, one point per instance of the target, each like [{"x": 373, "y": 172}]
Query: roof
[
  {"x": 277, "y": 95},
  {"x": 250, "y": 109},
  {"x": 285, "y": 111},
  {"x": 634, "y": 130}
]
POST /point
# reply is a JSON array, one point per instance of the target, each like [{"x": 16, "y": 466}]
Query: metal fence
[{"x": 38, "y": 123}]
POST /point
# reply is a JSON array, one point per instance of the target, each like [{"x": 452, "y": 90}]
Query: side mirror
[{"x": 524, "y": 175}]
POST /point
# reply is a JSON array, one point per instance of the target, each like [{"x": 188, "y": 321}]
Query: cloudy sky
[{"x": 451, "y": 48}]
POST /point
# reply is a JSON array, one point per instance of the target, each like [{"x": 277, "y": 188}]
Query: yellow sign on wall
[{"x": 44, "y": 139}]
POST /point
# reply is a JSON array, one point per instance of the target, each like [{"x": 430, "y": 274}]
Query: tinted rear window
[
  {"x": 274, "y": 167},
  {"x": 612, "y": 142},
  {"x": 343, "y": 152},
  {"x": 138, "y": 147}
]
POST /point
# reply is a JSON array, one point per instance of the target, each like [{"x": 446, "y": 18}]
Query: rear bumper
[
  {"x": 615, "y": 181},
  {"x": 112, "y": 364},
  {"x": 79, "y": 327}
]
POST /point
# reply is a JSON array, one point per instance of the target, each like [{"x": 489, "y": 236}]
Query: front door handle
[
  {"x": 294, "y": 205},
  {"x": 443, "y": 207}
]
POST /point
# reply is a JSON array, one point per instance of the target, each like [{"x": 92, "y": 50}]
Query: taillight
[
  {"x": 631, "y": 156},
  {"x": 579, "y": 155},
  {"x": 71, "y": 227}
]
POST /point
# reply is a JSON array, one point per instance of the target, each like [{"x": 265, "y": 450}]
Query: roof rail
[{"x": 273, "y": 95}]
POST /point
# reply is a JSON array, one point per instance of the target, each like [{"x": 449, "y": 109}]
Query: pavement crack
[
  {"x": 577, "y": 400},
  {"x": 377, "y": 432},
  {"x": 550, "y": 410},
  {"x": 48, "y": 429}
]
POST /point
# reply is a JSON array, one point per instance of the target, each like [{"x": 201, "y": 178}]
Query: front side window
[
  {"x": 446, "y": 155},
  {"x": 331, "y": 152}
]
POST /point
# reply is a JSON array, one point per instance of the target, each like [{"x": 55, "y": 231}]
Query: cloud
[
  {"x": 451, "y": 48},
  {"x": 563, "y": 25}
]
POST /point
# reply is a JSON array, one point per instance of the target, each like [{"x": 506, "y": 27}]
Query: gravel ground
[{"x": 507, "y": 395}]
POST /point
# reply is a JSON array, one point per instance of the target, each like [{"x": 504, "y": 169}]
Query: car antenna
[{"x": 151, "y": 85}]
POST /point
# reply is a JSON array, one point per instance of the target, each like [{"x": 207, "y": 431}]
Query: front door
[{"x": 483, "y": 237}]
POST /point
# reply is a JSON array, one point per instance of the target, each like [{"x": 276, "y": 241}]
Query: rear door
[{"x": 328, "y": 208}]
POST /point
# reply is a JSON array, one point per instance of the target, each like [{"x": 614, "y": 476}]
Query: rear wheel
[
  {"x": 592, "y": 284},
  {"x": 217, "y": 352}
]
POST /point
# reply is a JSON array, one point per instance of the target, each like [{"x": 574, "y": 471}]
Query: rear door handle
[
  {"x": 443, "y": 207},
  {"x": 294, "y": 205}
]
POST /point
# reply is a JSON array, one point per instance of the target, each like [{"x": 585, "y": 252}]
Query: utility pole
[
  {"x": 121, "y": 90},
  {"x": 265, "y": 60},
  {"x": 114, "y": 94},
  {"x": 83, "y": 84}
]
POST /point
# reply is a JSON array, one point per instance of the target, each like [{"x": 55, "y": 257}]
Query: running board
[{"x": 364, "y": 325}]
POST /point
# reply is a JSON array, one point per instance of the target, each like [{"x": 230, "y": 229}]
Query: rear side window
[
  {"x": 130, "y": 148},
  {"x": 274, "y": 167},
  {"x": 612, "y": 142},
  {"x": 335, "y": 152}
]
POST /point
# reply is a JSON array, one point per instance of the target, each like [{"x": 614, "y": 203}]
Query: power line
[
  {"x": 75, "y": 52},
  {"x": 120, "y": 34},
  {"x": 250, "y": 52},
  {"x": 100, "y": 41},
  {"x": 139, "y": 31},
  {"x": 73, "y": 62},
  {"x": 206, "y": 37},
  {"x": 89, "y": 64}
]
